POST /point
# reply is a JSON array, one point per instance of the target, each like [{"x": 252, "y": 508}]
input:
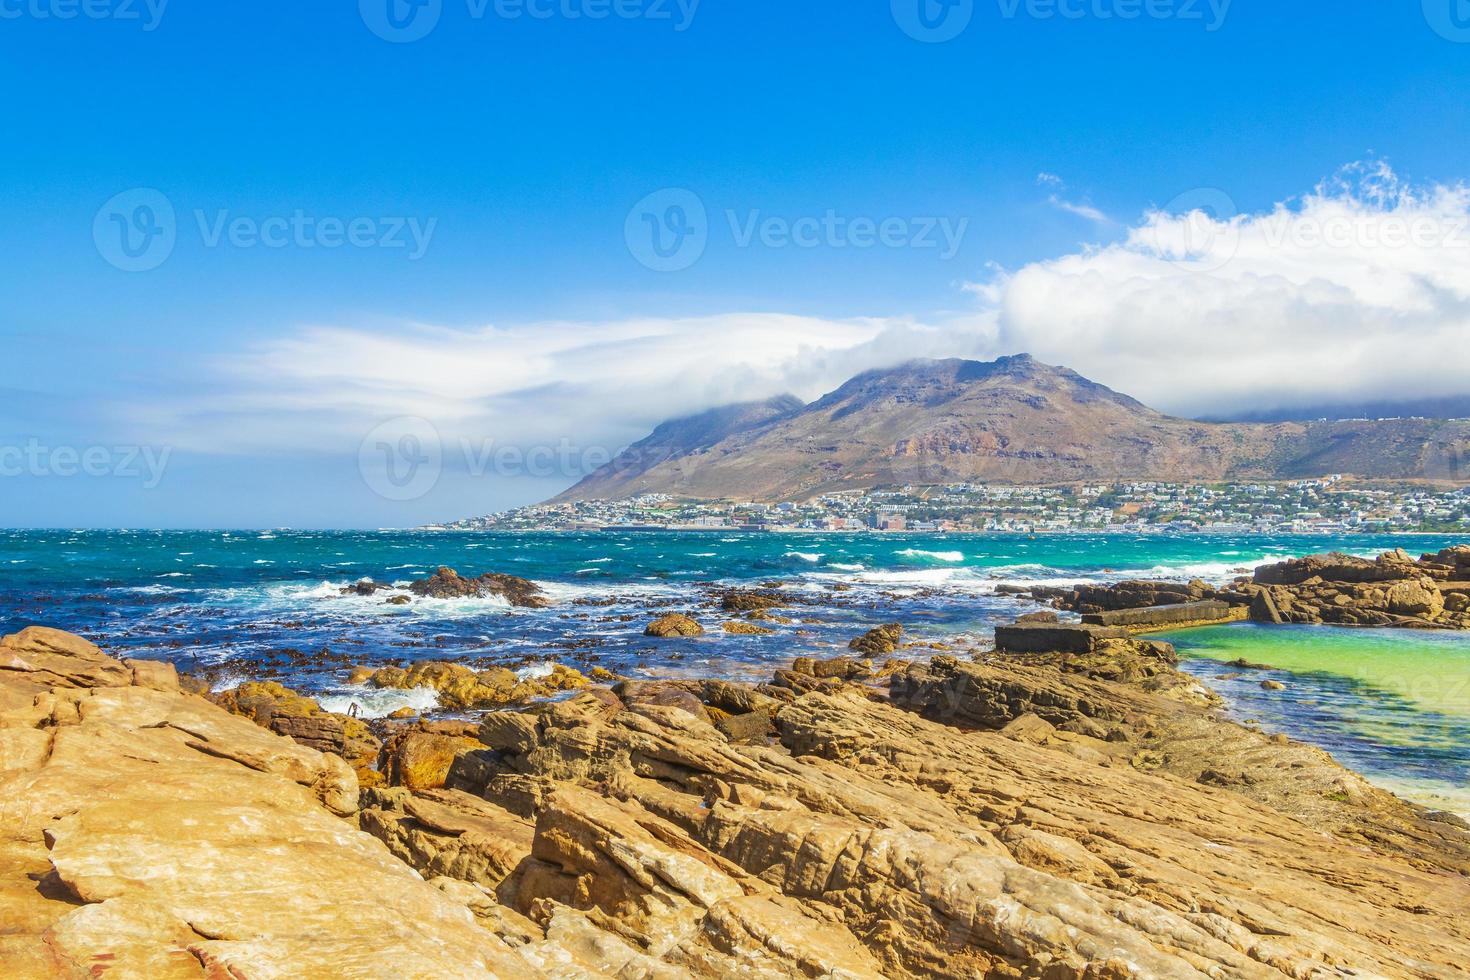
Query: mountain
[{"x": 1013, "y": 420}]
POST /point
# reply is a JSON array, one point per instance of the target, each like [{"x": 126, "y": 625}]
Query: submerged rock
[
  {"x": 740, "y": 628},
  {"x": 744, "y": 600}
]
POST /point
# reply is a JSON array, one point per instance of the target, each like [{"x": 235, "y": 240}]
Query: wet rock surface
[
  {"x": 447, "y": 583},
  {"x": 459, "y": 686},
  {"x": 673, "y": 625}
]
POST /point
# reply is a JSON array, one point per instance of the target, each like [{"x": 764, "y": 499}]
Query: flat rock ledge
[
  {"x": 1081, "y": 814},
  {"x": 1393, "y": 590}
]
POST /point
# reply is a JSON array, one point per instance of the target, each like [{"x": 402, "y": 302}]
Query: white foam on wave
[
  {"x": 174, "y": 575},
  {"x": 373, "y": 702},
  {"x": 811, "y": 556},
  {"x": 950, "y": 556},
  {"x": 571, "y": 591},
  {"x": 535, "y": 671},
  {"x": 841, "y": 567},
  {"x": 148, "y": 589}
]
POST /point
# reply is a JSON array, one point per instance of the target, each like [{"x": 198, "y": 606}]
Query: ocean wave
[
  {"x": 372, "y": 702},
  {"x": 811, "y": 556},
  {"x": 916, "y": 577},
  {"x": 950, "y": 556},
  {"x": 843, "y": 567},
  {"x": 535, "y": 671}
]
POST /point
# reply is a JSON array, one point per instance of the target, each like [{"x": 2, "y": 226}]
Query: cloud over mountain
[{"x": 1357, "y": 291}]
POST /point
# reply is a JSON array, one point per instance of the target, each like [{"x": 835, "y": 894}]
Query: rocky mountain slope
[{"x": 1014, "y": 420}]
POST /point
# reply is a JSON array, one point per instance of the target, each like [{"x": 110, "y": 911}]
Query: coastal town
[{"x": 1332, "y": 505}]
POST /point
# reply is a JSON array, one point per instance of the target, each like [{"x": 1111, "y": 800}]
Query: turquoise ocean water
[{"x": 1394, "y": 705}]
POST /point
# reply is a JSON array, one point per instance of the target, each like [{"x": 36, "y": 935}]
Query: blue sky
[{"x": 518, "y": 146}]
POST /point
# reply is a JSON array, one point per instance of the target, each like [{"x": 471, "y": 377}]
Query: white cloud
[
  {"x": 1081, "y": 209},
  {"x": 598, "y": 384},
  {"x": 1360, "y": 289}
]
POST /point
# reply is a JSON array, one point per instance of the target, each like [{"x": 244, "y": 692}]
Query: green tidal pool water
[{"x": 1392, "y": 704}]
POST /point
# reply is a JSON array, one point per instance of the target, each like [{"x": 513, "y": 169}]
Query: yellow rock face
[
  {"x": 461, "y": 687},
  {"x": 149, "y": 833}
]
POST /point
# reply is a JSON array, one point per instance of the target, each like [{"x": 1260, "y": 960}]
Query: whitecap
[
  {"x": 951, "y": 556},
  {"x": 845, "y": 568},
  {"x": 372, "y": 702},
  {"x": 811, "y": 556}
]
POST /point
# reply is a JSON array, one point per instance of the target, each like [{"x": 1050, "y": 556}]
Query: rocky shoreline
[
  {"x": 1392, "y": 590},
  {"x": 1087, "y": 813}
]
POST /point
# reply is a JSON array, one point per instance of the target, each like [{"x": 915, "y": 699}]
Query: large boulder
[
  {"x": 879, "y": 641},
  {"x": 446, "y": 583},
  {"x": 673, "y": 626},
  {"x": 420, "y": 757}
]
